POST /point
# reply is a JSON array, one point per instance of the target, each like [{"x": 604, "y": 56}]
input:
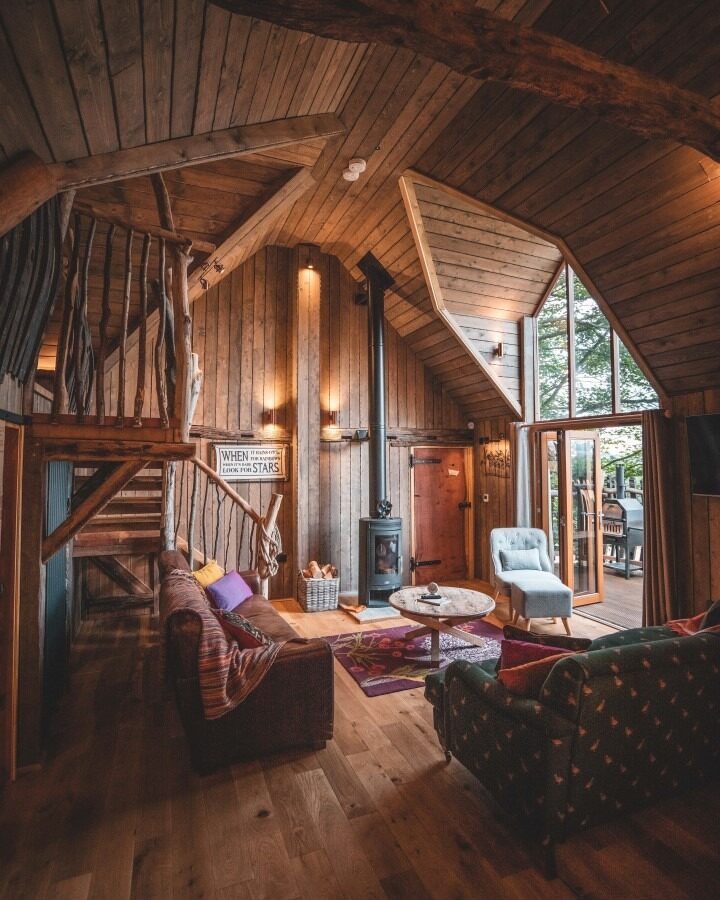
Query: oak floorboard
[{"x": 116, "y": 810}]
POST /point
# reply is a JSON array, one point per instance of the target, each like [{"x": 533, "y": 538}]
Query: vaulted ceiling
[{"x": 641, "y": 217}]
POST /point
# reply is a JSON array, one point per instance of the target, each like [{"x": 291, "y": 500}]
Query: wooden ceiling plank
[
  {"x": 233, "y": 59},
  {"x": 179, "y": 152},
  {"x": 266, "y": 73},
  {"x": 214, "y": 47},
  {"x": 436, "y": 295},
  {"x": 158, "y": 25},
  {"x": 283, "y": 69},
  {"x": 121, "y": 19},
  {"x": 252, "y": 60},
  {"x": 297, "y": 67},
  {"x": 189, "y": 28},
  {"x": 86, "y": 53},
  {"x": 36, "y": 48}
]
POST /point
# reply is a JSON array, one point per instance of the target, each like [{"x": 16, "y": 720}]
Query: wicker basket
[{"x": 317, "y": 594}]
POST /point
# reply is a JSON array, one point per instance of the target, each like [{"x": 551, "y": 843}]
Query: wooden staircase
[{"x": 128, "y": 528}]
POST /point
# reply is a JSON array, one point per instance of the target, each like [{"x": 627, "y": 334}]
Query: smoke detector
[{"x": 355, "y": 168}]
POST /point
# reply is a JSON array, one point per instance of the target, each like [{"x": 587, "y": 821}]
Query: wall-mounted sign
[{"x": 251, "y": 462}]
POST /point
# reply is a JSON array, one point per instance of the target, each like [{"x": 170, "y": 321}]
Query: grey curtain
[{"x": 660, "y": 597}]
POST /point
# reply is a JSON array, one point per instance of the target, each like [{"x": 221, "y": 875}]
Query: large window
[{"x": 583, "y": 368}]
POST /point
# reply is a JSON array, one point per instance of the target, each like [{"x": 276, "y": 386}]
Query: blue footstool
[{"x": 540, "y": 595}]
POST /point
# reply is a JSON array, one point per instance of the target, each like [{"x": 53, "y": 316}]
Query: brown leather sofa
[{"x": 291, "y": 707}]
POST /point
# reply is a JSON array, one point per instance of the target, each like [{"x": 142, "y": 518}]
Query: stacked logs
[{"x": 314, "y": 570}]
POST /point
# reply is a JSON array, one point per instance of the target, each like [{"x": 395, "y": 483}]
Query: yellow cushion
[{"x": 210, "y": 573}]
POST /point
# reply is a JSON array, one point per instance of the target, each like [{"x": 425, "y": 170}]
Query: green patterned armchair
[{"x": 632, "y": 719}]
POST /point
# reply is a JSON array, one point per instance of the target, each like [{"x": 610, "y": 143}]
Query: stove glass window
[{"x": 387, "y": 547}]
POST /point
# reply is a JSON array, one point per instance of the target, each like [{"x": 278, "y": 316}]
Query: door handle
[{"x": 465, "y": 504}]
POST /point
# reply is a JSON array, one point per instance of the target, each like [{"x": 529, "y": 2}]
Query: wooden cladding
[{"x": 29, "y": 271}]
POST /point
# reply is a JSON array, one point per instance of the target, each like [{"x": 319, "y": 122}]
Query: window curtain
[
  {"x": 523, "y": 499},
  {"x": 660, "y": 598}
]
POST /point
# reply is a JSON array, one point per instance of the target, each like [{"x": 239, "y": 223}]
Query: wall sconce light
[
  {"x": 333, "y": 418},
  {"x": 204, "y": 283},
  {"x": 268, "y": 417},
  {"x": 499, "y": 351},
  {"x": 218, "y": 266}
]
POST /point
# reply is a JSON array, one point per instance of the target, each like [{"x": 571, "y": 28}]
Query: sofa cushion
[
  {"x": 210, "y": 573},
  {"x": 229, "y": 591},
  {"x": 260, "y": 612},
  {"x": 526, "y": 560},
  {"x": 527, "y": 680},
  {"x": 245, "y": 633},
  {"x": 517, "y": 653},
  {"x": 563, "y": 641}
]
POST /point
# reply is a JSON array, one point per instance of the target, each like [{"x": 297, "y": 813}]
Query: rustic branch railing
[
  {"x": 118, "y": 341},
  {"x": 207, "y": 519}
]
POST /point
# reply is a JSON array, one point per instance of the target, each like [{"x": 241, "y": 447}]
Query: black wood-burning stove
[{"x": 380, "y": 555}]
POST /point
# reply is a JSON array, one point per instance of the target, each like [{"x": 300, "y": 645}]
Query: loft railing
[
  {"x": 152, "y": 268},
  {"x": 206, "y": 518}
]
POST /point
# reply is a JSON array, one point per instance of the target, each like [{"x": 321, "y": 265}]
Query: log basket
[{"x": 317, "y": 594}]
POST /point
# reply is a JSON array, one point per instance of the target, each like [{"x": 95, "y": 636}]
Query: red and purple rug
[{"x": 383, "y": 661}]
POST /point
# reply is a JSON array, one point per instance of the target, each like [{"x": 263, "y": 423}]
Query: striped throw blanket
[{"x": 226, "y": 673}]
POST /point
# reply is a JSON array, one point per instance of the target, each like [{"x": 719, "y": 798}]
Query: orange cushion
[
  {"x": 528, "y": 679},
  {"x": 209, "y": 574}
]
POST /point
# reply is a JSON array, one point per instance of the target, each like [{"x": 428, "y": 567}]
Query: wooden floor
[
  {"x": 622, "y": 603},
  {"x": 116, "y": 812}
]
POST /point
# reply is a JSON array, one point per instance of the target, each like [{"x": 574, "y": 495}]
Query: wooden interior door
[
  {"x": 581, "y": 515},
  {"x": 441, "y": 513},
  {"x": 9, "y": 596}
]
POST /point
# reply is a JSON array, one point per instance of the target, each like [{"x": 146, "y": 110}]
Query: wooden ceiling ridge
[
  {"x": 437, "y": 298},
  {"x": 484, "y": 46},
  {"x": 412, "y": 176}
]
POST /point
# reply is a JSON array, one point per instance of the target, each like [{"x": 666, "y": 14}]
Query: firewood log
[{"x": 315, "y": 570}]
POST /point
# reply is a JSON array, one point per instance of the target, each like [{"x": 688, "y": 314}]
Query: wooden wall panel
[
  {"x": 11, "y": 401},
  {"x": 697, "y": 518},
  {"x": 498, "y": 511}
]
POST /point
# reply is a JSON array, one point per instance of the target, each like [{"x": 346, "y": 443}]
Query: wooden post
[
  {"x": 168, "y": 526},
  {"x": 160, "y": 341},
  {"x": 183, "y": 341},
  {"x": 124, "y": 330},
  {"x": 265, "y": 552},
  {"x": 80, "y": 349},
  {"x": 104, "y": 322},
  {"x": 142, "y": 340},
  {"x": 60, "y": 392},
  {"x": 192, "y": 517}
]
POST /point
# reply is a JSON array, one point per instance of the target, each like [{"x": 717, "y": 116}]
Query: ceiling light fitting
[{"x": 355, "y": 168}]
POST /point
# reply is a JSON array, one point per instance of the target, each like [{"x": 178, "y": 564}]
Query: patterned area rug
[{"x": 383, "y": 661}]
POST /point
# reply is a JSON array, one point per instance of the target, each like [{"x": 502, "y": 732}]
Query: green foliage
[{"x": 593, "y": 367}]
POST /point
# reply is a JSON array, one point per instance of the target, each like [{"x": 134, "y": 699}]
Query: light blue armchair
[{"x": 524, "y": 573}]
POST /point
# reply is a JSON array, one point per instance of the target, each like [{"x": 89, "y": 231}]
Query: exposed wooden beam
[
  {"x": 482, "y": 45},
  {"x": 248, "y": 234},
  {"x": 568, "y": 255},
  {"x": 191, "y": 151},
  {"x": 412, "y": 208},
  {"x": 25, "y": 184},
  {"x": 114, "y": 214},
  {"x": 90, "y": 506}
]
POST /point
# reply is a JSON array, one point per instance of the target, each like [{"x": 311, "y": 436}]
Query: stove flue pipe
[{"x": 378, "y": 281}]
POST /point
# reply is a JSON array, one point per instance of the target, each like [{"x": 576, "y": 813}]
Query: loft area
[{"x": 359, "y": 449}]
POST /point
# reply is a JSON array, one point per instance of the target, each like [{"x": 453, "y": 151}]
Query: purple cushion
[{"x": 229, "y": 591}]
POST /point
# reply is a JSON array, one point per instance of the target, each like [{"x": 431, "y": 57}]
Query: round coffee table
[{"x": 461, "y": 606}]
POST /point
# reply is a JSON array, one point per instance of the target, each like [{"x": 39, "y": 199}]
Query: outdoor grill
[{"x": 623, "y": 531}]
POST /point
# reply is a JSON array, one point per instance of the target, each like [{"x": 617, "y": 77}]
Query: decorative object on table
[
  {"x": 458, "y": 605},
  {"x": 389, "y": 660},
  {"x": 318, "y": 587}
]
